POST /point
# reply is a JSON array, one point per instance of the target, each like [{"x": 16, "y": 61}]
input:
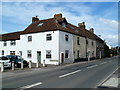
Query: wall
[
  {"x": 81, "y": 47},
  {"x": 66, "y": 45}
]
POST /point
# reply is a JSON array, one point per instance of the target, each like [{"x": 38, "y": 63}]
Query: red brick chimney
[
  {"x": 34, "y": 19},
  {"x": 58, "y": 16},
  {"x": 91, "y": 30},
  {"x": 81, "y": 25}
]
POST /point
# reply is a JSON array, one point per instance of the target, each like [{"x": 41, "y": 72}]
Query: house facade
[{"x": 54, "y": 40}]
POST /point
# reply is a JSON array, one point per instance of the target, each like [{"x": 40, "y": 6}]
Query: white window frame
[
  {"x": 66, "y": 37},
  {"x": 5, "y": 43},
  {"x": 48, "y": 54},
  {"x": 66, "y": 53},
  {"x": 29, "y": 38},
  {"x": 48, "y": 37},
  {"x": 29, "y": 53}
]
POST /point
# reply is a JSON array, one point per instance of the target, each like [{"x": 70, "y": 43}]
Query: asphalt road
[{"x": 78, "y": 75}]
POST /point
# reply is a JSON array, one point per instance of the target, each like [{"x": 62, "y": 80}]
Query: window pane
[
  {"x": 29, "y": 38},
  {"x": 48, "y": 37},
  {"x": 66, "y": 53},
  {"x": 48, "y": 53},
  {"x": 29, "y": 53},
  {"x": 66, "y": 37}
]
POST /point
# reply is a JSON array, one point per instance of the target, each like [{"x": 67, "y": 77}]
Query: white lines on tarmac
[
  {"x": 103, "y": 62},
  {"x": 92, "y": 66},
  {"x": 69, "y": 73},
  {"x": 30, "y": 86}
]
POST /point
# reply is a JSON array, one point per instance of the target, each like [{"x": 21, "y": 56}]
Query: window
[
  {"x": 5, "y": 43},
  {"x": 12, "y": 52},
  {"x": 93, "y": 53},
  {"x": 66, "y": 53},
  {"x": 66, "y": 37},
  {"x": 78, "y": 53},
  {"x": 2, "y": 52},
  {"x": 48, "y": 54},
  {"x": 29, "y": 53},
  {"x": 20, "y": 52},
  {"x": 92, "y": 43},
  {"x": 63, "y": 24},
  {"x": 78, "y": 41},
  {"x": 29, "y": 38},
  {"x": 40, "y": 24},
  {"x": 13, "y": 42},
  {"x": 48, "y": 37}
]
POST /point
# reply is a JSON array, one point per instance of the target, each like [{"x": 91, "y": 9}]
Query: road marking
[
  {"x": 92, "y": 66},
  {"x": 69, "y": 73},
  {"x": 108, "y": 77},
  {"x": 103, "y": 62},
  {"x": 33, "y": 85}
]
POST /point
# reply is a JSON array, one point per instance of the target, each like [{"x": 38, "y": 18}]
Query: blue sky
[{"x": 102, "y": 16}]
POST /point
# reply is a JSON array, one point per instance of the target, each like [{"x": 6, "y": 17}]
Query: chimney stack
[
  {"x": 58, "y": 16},
  {"x": 91, "y": 30},
  {"x": 34, "y": 19},
  {"x": 81, "y": 25}
]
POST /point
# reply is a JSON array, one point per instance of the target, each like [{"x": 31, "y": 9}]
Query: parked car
[
  {"x": 6, "y": 61},
  {"x": 17, "y": 60}
]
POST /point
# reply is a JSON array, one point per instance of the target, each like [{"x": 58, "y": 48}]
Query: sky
[{"x": 102, "y": 16}]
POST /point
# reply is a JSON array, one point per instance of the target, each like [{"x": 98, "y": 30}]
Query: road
[{"x": 76, "y": 75}]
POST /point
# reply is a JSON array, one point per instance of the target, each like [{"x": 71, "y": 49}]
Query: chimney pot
[
  {"x": 91, "y": 30},
  {"x": 34, "y": 19},
  {"x": 81, "y": 25}
]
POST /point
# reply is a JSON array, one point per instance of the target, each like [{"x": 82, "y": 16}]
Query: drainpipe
[{"x": 86, "y": 46}]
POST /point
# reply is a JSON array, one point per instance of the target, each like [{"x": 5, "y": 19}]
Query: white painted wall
[
  {"x": 66, "y": 45},
  {"x": 39, "y": 43}
]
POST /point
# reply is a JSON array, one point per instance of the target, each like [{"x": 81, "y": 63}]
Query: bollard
[
  {"x": 13, "y": 66},
  {"x": 22, "y": 64},
  {"x": 2, "y": 66},
  {"x": 30, "y": 64},
  {"x": 43, "y": 63},
  {"x": 37, "y": 64},
  {"x": 100, "y": 55},
  {"x": 88, "y": 59}
]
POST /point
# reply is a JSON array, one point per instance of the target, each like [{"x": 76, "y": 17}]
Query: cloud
[
  {"x": 61, "y": 0},
  {"x": 109, "y": 23},
  {"x": 18, "y": 16}
]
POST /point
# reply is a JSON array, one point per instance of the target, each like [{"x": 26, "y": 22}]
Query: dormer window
[{"x": 63, "y": 24}]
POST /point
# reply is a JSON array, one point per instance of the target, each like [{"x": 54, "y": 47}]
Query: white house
[{"x": 53, "y": 40}]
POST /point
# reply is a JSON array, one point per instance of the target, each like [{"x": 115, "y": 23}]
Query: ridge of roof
[{"x": 51, "y": 24}]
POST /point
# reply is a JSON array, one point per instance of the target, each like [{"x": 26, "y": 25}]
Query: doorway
[
  {"x": 39, "y": 56},
  {"x": 62, "y": 57}
]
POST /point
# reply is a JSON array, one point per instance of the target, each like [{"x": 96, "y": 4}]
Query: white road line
[
  {"x": 92, "y": 66},
  {"x": 108, "y": 76},
  {"x": 69, "y": 74},
  {"x": 103, "y": 62},
  {"x": 33, "y": 85}
]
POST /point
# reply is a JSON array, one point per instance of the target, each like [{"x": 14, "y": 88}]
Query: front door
[
  {"x": 62, "y": 57},
  {"x": 39, "y": 56}
]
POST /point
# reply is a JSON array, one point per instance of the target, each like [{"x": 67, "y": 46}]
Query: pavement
[
  {"x": 76, "y": 75},
  {"x": 112, "y": 81}
]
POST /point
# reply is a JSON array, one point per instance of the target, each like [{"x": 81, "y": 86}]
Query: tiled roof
[
  {"x": 51, "y": 25},
  {"x": 11, "y": 36}
]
